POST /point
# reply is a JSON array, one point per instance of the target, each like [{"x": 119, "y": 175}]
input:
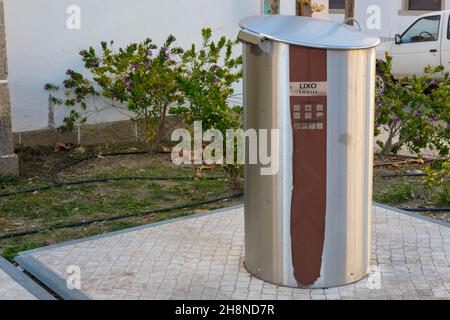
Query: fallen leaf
[
  {"x": 60, "y": 146},
  {"x": 166, "y": 149}
]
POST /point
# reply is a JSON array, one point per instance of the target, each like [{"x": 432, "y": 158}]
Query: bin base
[{"x": 317, "y": 285}]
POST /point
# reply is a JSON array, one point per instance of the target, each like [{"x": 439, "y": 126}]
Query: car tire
[{"x": 380, "y": 83}]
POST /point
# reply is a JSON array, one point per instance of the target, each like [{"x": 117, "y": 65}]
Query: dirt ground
[{"x": 50, "y": 209}]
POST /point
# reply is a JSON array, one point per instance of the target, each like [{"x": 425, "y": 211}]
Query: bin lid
[{"x": 309, "y": 32}]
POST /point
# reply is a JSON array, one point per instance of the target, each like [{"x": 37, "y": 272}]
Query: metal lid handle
[
  {"x": 256, "y": 39},
  {"x": 354, "y": 20}
]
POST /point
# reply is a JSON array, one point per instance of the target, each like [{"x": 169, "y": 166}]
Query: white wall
[
  {"x": 391, "y": 22},
  {"x": 41, "y": 48},
  {"x": 324, "y": 15},
  {"x": 288, "y": 7}
]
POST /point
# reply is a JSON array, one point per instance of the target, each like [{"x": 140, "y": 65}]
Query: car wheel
[{"x": 380, "y": 84}]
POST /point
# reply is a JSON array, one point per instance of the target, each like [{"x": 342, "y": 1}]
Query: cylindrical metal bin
[{"x": 308, "y": 225}]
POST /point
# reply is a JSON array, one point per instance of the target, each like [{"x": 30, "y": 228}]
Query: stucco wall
[
  {"x": 41, "y": 47},
  {"x": 392, "y": 21}
]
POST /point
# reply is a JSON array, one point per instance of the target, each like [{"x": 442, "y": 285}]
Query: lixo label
[{"x": 308, "y": 89}]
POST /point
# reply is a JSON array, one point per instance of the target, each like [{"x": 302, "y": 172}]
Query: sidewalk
[
  {"x": 14, "y": 285},
  {"x": 201, "y": 257}
]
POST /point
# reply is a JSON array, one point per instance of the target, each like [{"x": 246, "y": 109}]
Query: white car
[{"x": 425, "y": 42}]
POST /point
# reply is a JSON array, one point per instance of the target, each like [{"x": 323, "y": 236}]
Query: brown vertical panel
[{"x": 309, "y": 165}]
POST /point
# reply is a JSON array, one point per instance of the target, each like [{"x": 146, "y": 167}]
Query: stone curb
[
  {"x": 49, "y": 278},
  {"x": 414, "y": 215}
]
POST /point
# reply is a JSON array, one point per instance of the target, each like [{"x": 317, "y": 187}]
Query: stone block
[
  {"x": 9, "y": 165},
  {"x": 3, "y": 56},
  {"x": 6, "y": 146}
]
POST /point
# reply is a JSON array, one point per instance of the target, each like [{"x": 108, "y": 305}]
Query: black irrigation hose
[
  {"x": 100, "y": 180},
  {"x": 71, "y": 164},
  {"x": 399, "y": 175},
  {"x": 118, "y": 217},
  {"x": 105, "y": 180},
  {"x": 92, "y": 156},
  {"x": 148, "y": 212},
  {"x": 426, "y": 209}
]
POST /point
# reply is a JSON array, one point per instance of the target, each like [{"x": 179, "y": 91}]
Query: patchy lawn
[
  {"x": 72, "y": 204},
  {"x": 406, "y": 191}
]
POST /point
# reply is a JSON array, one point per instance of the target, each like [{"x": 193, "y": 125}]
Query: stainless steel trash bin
[{"x": 309, "y": 225}]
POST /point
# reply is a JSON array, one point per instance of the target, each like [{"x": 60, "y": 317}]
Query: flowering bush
[
  {"x": 140, "y": 79},
  {"x": 415, "y": 112},
  {"x": 206, "y": 77},
  {"x": 150, "y": 82},
  {"x": 439, "y": 177}
]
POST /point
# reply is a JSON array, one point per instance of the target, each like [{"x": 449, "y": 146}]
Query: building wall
[
  {"x": 393, "y": 18},
  {"x": 41, "y": 47}
]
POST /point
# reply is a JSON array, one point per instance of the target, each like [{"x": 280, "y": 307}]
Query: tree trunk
[
  {"x": 349, "y": 11},
  {"x": 304, "y": 8},
  {"x": 161, "y": 126},
  {"x": 275, "y": 6}
]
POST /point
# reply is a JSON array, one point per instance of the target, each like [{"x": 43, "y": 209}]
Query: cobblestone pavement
[
  {"x": 201, "y": 258},
  {"x": 11, "y": 290}
]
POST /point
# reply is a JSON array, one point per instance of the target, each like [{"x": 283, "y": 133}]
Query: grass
[
  {"x": 395, "y": 193},
  {"x": 8, "y": 182},
  {"x": 71, "y": 204},
  {"x": 408, "y": 192},
  {"x": 10, "y": 252},
  {"x": 75, "y": 203}
]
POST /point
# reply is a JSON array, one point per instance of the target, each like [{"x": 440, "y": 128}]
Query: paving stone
[
  {"x": 202, "y": 258},
  {"x": 12, "y": 290}
]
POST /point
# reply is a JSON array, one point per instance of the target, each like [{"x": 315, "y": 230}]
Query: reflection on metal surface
[
  {"x": 342, "y": 112},
  {"x": 309, "y": 32},
  {"x": 267, "y": 245}
]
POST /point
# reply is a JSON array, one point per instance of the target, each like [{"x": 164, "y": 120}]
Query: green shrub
[
  {"x": 438, "y": 179},
  {"x": 139, "y": 79},
  {"x": 414, "y": 111},
  {"x": 206, "y": 78},
  {"x": 400, "y": 193},
  {"x": 151, "y": 81},
  {"x": 7, "y": 182}
]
